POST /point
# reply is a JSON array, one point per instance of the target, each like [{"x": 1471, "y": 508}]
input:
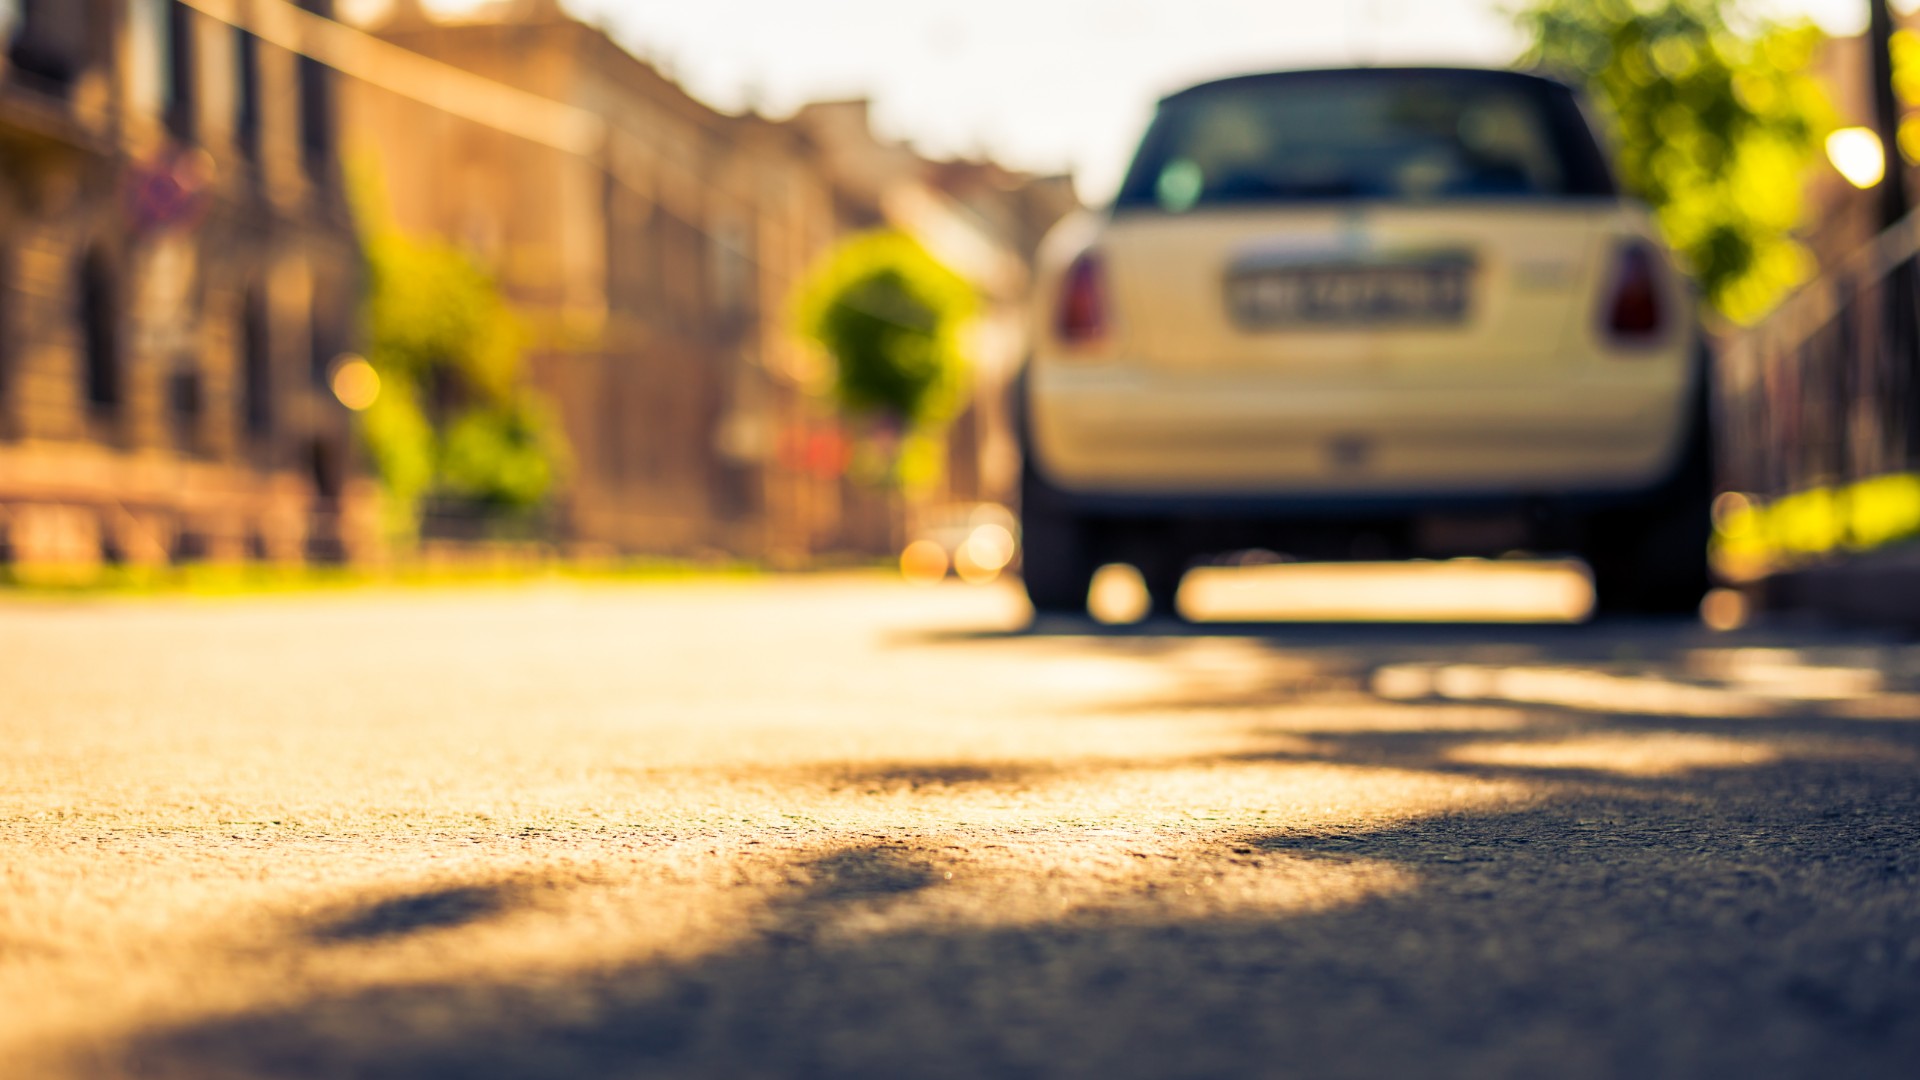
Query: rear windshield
[{"x": 1398, "y": 135}]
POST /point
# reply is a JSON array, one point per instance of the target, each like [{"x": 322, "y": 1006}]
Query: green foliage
[
  {"x": 401, "y": 442},
  {"x": 504, "y": 456},
  {"x": 454, "y": 418},
  {"x": 890, "y": 315},
  {"x": 430, "y": 310},
  {"x": 1717, "y": 120}
]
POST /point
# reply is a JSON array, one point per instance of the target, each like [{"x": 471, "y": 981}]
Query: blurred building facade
[
  {"x": 657, "y": 272},
  {"x": 178, "y": 270}
]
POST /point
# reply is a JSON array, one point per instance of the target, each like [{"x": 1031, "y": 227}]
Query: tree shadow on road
[
  {"x": 416, "y": 912},
  {"x": 1619, "y": 935},
  {"x": 1757, "y": 916}
]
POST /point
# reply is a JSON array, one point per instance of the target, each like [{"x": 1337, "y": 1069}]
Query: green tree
[
  {"x": 891, "y": 317},
  {"x": 1716, "y": 119},
  {"x": 454, "y": 418}
]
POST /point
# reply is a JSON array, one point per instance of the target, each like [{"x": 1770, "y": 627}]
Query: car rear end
[{"x": 1379, "y": 312}]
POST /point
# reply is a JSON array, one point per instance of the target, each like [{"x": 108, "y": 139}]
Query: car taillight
[
  {"x": 1636, "y": 312},
  {"x": 1082, "y": 318}
]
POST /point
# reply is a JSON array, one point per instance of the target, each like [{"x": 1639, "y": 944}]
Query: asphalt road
[{"x": 846, "y": 828}]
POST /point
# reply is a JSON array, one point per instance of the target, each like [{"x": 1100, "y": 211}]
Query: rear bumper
[
  {"x": 1251, "y": 441},
  {"x": 1334, "y": 517},
  {"x": 1532, "y": 506}
]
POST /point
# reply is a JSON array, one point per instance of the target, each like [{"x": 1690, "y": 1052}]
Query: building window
[
  {"x": 731, "y": 262},
  {"x": 49, "y": 37},
  {"x": 182, "y": 111},
  {"x": 316, "y": 118},
  {"x": 684, "y": 275},
  {"x": 184, "y": 403},
  {"x": 149, "y": 81},
  {"x": 100, "y": 333},
  {"x": 161, "y": 77},
  {"x": 630, "y": 239},
  {"x": 316, "y": 106},
  {"x": 256, "y": 366},
  {"x": 326, "y": 333},
  {"x": 246, "y": 93},
  {"x": 327, "y": 461}
]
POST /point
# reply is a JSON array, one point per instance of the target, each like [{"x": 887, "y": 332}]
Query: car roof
[{"x": 1308, "y": 74}]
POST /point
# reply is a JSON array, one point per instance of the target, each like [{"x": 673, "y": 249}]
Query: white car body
[
  {"x": 1525, "y": 394},
  {"x": 1210, "y": 394}
]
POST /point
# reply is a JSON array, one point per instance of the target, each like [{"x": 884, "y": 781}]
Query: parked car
[{"x": 1382, "y": 312}]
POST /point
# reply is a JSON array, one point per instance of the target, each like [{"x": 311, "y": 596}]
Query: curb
[{"x": 1880, "y": 588}]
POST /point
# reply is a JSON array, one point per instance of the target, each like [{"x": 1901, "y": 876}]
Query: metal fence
[
  {"x": 1823, "y": 392},
  {"x": 1819, "y": 410}
]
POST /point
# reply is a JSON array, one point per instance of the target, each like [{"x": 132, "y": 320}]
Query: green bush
[
  {"x": 455, "y": 419},
  {"x": 502, "y": 457}
]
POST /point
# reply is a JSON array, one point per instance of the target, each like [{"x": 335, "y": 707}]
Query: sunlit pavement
[{"x": 844, "y": 827}]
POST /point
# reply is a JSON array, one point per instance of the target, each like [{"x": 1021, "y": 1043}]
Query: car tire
[
  {"x": 1656, "y": 565},
  {"x": 1056, "y": 561},
  {"x": 1653, "y": 559},
  {"x": 1162, "y": 572}
]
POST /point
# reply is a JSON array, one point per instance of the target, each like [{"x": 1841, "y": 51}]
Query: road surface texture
[{"x": 841, "y": 827}]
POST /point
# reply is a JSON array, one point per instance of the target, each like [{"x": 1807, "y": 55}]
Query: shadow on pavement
[
  {"x": 1755, "y": 917},
  {"x": 1637, "y": 944},
  {"x": 1621, "y": 938},
  {"x": 915, "y": 777},
  {"x": 434, "y": 909}
]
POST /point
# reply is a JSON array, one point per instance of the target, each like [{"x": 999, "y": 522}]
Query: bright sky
[{"x": 1046, "y": 85}]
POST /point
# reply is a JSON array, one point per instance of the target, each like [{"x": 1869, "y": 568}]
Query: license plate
[{"x": 1428, "y": 293}]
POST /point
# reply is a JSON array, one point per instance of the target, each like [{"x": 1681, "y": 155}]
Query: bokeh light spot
[
  {"x": 924, "y": 562},
  {"x": 1857, "y": 154},
  {"x": 972, "y": 570},
  {"x": 1119, "y": 595},
  {"x": 355, "y": 383},
  {"x": 990, "y": 547},
  {"x": 1724, "y": 609}
]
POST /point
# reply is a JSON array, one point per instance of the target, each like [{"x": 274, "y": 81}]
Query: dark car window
[{"x": 1371, "y": 134}]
